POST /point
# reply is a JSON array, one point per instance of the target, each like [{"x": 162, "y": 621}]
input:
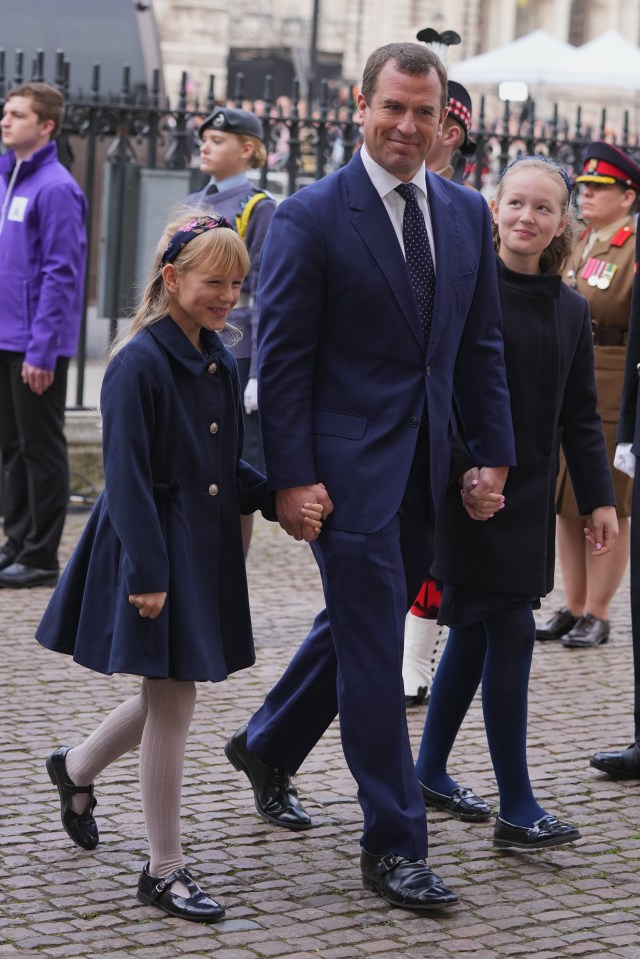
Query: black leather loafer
[
  {"x": 276, "y": 798},
  {"x": 403, "y": 882},
  {"x": 19, "y": 576},
  {"x": 196, "y": 907},
  {"x": 545, "y": 832},
  {"x": 462, "y": 803},
  {"x": 560, "y": 623},
  {"x": 624, "y": 764},
  {"x": 80, "y": 827},
  {"x": 588, "y": 631}
]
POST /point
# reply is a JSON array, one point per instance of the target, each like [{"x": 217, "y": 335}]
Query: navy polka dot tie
[{"x": 417, "y": 252}]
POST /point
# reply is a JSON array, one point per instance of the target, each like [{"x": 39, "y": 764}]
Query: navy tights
[{"x": 498, "y": 652}]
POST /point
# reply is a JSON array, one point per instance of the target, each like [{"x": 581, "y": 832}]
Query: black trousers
[
  {"x": 35, "y": 462},
  {"x": 252, "y": 447}
]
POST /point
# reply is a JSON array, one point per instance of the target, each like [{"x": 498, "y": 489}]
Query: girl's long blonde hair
[
  {"x": 556, "y": 254},
  {"x": 218, "y": 251}
]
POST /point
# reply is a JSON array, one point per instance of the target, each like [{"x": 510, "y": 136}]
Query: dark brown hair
[
  {"x": 409, "y": 58},
  {"x": 47, "y": 102}
]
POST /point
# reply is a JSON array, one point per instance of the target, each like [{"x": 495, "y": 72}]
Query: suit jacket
[{"x": 343, "y": 376}]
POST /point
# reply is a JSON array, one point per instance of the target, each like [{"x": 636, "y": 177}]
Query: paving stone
[{"x": 297, "y": 896}]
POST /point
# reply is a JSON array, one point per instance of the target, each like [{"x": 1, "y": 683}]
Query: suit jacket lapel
[
  {"x": 446, "y": 229},
  {"x": 371, "y": 220}
]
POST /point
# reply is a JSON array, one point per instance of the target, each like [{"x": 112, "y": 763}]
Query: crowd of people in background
[{"x": 383, "y": 321}]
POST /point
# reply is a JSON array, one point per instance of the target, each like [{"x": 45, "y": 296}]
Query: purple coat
[{"x": 42, "y": 257}]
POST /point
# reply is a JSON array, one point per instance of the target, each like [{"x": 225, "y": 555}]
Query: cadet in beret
[
  {"x": 231, "y": 144},
  {"x": 601, "y": 268}
]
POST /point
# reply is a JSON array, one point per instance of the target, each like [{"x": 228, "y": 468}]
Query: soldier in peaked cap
[
  {"x": 231, "y": 144},
  {"x": 601, "y": 267},
  {"x": 449, "y": 154}
]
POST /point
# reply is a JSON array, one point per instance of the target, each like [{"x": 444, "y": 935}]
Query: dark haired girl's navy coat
[{"x": 168, "y": 519}]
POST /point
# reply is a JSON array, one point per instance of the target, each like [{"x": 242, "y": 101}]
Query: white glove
[
  {"x": 624, "y": 460},
  {"x": 251, "y": 396}
]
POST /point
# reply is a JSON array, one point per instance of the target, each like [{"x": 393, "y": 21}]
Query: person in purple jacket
[{"x": 42, "y": 262}]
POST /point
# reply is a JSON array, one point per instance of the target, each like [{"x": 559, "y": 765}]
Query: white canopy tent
[
  {"x": 610, "y": 62},
  {"x": 531, "y": 59}
]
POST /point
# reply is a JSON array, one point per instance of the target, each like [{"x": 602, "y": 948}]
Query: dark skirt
[{"x": 461, "y": 606}]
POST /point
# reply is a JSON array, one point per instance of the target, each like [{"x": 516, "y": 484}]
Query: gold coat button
[
  {"x": 214, "y": 428},
  {"x": 213, "y": 489},
  {"x": 213, "y": 367}
]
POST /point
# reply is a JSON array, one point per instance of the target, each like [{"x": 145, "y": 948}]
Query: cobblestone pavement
[{"x": 300, "y": 895}]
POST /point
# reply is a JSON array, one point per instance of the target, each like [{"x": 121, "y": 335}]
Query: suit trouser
[
  {"x": 634, "y": 584},
  {"x": 351, "y": 664},
  {"x": 34, "y": 458}
]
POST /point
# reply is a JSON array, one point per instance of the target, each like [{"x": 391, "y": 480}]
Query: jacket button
[
  {"x": 213, "y": 428},
  {"x": 213, "y": 489},
  {"x": 212, "y": 368},
  {"x": 428, "y": 371},
  {"x": 414, "y": 422}
]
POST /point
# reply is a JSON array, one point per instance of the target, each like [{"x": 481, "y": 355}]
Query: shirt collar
[
  {"x": 229, "y": 183},
  {"x": 385, "y": 182}
]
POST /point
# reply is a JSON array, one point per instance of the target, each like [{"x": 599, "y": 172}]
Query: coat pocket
[{"x": 348, "y": 426}]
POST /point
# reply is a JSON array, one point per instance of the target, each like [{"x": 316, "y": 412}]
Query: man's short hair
[
  {"x": 412, "y": 58},
  {"x": 47, "y": 101}
]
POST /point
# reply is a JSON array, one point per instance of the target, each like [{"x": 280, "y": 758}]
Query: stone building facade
[{"x": 197, "y": 36}]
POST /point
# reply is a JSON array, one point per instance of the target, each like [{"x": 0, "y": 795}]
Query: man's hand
[
  {"x": 36, "y": 379},
  {"x": 290, "y": 504},
  {"x": 602, "y": 529},
  {"x": 482, "y": 491},
  {"x": 148, "y": 604}
]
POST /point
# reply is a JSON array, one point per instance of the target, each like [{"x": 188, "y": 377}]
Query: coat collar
[
  {"x": 48, "y": 154},
  {"x": 169, "y": 335}
]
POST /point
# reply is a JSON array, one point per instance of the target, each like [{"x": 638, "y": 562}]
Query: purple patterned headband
[{"x": 190, "y": 230}]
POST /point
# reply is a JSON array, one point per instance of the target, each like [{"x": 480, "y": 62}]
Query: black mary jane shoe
[
  {"x": 196, "y": 907},
  {"x": 80, "y": 827},
  {"x": 545, "y": 832},
  {"x": 462, "y": 803}
]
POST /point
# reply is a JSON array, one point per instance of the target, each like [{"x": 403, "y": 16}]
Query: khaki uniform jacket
[{"x": 610, "y": 306}]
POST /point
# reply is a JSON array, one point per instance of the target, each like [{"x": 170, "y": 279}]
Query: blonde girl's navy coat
[{"x": 168, "y": 519}]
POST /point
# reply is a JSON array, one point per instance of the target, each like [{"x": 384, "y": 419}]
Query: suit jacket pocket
[{"x": 346, "y": 425}]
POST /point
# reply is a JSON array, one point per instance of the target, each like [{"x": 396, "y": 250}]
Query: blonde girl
[{"x": 156, "y": 586}]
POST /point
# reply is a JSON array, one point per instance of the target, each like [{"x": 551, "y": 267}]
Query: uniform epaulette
[{"x": 622, "y": 236}]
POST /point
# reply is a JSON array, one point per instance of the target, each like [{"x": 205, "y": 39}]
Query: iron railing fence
[{"x": 131, "y": 128}]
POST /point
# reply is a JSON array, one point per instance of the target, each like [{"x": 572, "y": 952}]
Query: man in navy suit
[{"x": 357, "y": 397}]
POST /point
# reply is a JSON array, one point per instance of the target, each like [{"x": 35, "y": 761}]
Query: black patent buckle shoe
[
  {"x": 559, "y": 624},
  {"x": 545, "y": 832},
  {"x": 275, "y": 797},
  {"x": 624, "y": 764},
  {"x": 462, "y": 803},
  {"x": 406, "y": 883},
  {"x": 196, "y": 907},
  {"x": 80, "y": 827}
]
